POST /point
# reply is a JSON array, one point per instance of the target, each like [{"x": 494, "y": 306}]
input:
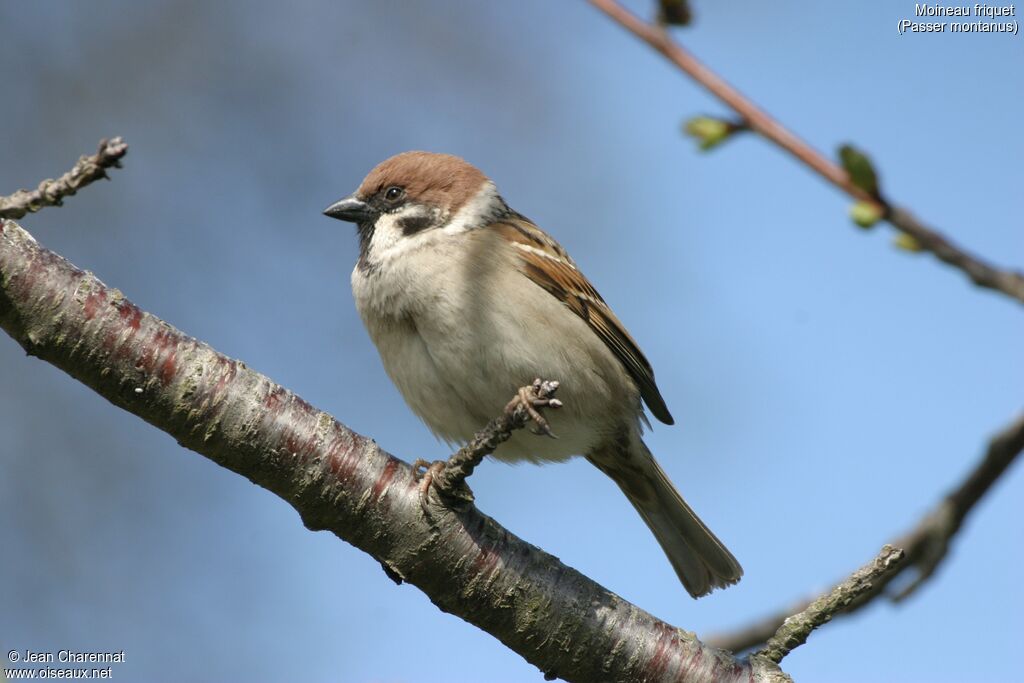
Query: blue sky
[{"x": 827, "y": 387}]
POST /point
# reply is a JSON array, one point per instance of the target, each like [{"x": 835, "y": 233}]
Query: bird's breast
[{"x": 459, "y": 330}]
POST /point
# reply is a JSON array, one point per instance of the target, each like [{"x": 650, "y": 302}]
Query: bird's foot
[
  {"x": 448, "y": 477},
  {"x": 431, "y": 475},
  {"x": 529, "y": 400},
  {"x": 429, "y": 471}
]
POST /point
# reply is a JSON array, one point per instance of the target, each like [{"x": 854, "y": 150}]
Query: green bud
[
  {"x": 707, "y": 131},
  {"x": 865, "y": 214},
  {"x": 858, "y": 165},
  {"x": 907, "y": 243}
]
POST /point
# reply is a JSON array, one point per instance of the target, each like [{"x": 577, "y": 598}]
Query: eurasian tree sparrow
[{"x": 467, "y": 300}]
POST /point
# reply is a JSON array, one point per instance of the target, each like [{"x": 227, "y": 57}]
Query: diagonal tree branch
[
  {"x": 52, "y": 192},
  {"x": 925, "y": 546},
  {"x": 794, "y": 631},
  {"x": 983, "y": 274},
  {"x": 337, "y": 480}
]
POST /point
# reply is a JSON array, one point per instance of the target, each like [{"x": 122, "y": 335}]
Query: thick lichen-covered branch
[
  {"x": 52, "y": 192},
  {"x": 337, "y": 480},
  {"x": 753, "y": 118}
]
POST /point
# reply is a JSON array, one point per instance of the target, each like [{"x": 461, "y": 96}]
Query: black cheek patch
[{"x": 410, "y": 225}]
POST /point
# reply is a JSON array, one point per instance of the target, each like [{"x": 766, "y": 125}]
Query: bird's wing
[{"x": 547, "y": 264}]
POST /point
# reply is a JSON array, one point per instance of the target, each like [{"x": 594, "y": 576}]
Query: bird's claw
[
  {"x": 426, "y": 477},
  {"x": 528, "y": 402},
  {"x": 430, "y": 475}
]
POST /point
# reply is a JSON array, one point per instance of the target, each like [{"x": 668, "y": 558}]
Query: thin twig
[
  {"x": 928, "y": 544},
  {"x": 981, "y": 273},
  {"x": 451, "y": 475},
  {"x": 794, "y": 631},
  {"x": 925, "y": 546},
  {"x": 52, "y": 192},
  {"x": 1008, "y": 282}
]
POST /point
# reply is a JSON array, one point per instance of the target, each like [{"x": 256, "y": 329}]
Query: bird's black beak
[{"x": 351, "y": 209}]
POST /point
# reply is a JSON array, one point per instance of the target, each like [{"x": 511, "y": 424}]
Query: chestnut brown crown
[{"x": 442, "y": 180}]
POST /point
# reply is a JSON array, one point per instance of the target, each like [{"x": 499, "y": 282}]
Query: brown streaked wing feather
[{"x": 545, "y": 262}]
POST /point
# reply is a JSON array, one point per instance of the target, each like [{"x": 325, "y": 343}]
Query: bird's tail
[{"x": 702, "y": 562}]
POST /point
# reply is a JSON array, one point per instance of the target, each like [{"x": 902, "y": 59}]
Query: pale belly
[
  {"x": 457, "y": 393},
  {"x": 458, "y": 341}
]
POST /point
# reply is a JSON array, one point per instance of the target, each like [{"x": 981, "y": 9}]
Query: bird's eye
[{"x": 394, "y": 193}]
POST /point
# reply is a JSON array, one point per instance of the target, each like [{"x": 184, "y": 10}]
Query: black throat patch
[{"x": 365, "y": 235}]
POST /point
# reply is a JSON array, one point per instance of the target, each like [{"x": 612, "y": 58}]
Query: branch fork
[{"x": 794, "y": 631}]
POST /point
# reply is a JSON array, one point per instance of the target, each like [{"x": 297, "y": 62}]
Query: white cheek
[
  {"x": 389, "y": 241},
  {"x": 386, "y": 233}
]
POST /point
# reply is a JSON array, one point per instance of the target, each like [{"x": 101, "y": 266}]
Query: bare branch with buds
[{"x": 869, "y": 207}]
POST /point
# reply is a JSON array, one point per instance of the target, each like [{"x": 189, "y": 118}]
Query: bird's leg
[{"x": 448, "y": 477}]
